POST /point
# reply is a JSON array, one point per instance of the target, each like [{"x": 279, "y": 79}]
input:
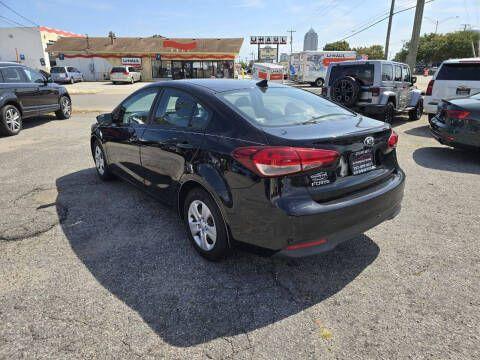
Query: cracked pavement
[{"x": 101, "y": 270}]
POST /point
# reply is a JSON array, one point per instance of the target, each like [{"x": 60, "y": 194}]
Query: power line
[
  {"x": 19, "y": 25},
  {"x": 23, "y": 17},
  {"x": 382, "y": 19}
]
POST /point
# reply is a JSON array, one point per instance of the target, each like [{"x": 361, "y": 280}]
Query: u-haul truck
[
  {"x": 313, "y": 65},
  {"x": 267, "y": 71}
]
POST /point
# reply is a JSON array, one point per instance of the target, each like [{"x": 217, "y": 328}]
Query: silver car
[
  {"x": 65, "y": 74},
  {"x": 125, "y": 74}
]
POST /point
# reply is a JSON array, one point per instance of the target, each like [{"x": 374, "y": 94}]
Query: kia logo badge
[{"x": 369, "y": 141}]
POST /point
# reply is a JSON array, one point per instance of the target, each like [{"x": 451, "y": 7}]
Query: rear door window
[
  {"x": 398, "y": 73},
  {"x": 406, "y": 74},
  {"x": 13, "y": 75},
  {"x": 362, "y": 72},
  {"x": 132, "y": 69},
  {"x": 461, "y": 71},
  {"x": 387, "y": 72}
]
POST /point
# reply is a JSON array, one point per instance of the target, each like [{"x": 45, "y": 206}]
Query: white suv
[{"x": 455, "y": 78}]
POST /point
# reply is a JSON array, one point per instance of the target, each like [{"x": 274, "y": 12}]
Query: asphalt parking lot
[{"x": 100, "y": 270}]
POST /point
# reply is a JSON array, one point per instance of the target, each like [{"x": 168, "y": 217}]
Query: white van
[
  {"x": 455, "y": 78},
  {"x": 313, "y": 65}
]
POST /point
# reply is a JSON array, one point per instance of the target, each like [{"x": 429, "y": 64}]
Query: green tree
[
  {"x": 337, "y": 46},
  {"x": 434, "y": 48},
  {"x": 373, "y": 51}
]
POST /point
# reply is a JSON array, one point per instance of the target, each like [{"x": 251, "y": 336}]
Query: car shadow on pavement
[
  {"x": 137, "y": 249},
  {"x": 448, "y": 159},
  {"x": 422, "y": 131},
  {"x": 37, "y": 121}
]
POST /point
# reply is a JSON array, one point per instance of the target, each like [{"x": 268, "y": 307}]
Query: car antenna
[{"x": 262, "y": 83}]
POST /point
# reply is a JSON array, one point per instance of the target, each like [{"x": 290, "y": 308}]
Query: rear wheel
[
  {"x": 389, "y": 113},
  {"x": 132, "y": 80},
  {"x": 205, "y": 225},
  {"x": 65, "y": 108},
  {"x": 416, "y": 113},
  {"x": 10, "y": 120},
  {"x": 319, "y": 82}
]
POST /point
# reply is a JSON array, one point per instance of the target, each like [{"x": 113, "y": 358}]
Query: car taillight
[
  {"x": 430, "y": 88},
  {"x": 375, "y": 91},
  {"x": 271, "y": 161},
  {"x": 125, "y": 73},
  {"x": 457, "y": 114},
  {"x": 393, "y": 140},
  {"x": 324, "y": 91}
]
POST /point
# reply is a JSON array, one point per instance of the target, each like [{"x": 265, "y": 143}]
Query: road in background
[{"x": 100, "y": 270}]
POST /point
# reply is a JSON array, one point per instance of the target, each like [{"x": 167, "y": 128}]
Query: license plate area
[
  {"x": 362, "y": 161},
  {"x": 463, "y": 92}
]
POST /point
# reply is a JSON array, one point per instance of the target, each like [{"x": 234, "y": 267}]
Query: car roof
[
  {"x": 353, "y": 62},
  {"x": 216, "y": 85},
  {"x": 10, "y": 63},
  {"x": 463, "y": 60}
]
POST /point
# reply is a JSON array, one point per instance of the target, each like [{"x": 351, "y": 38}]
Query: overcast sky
[{"x": 331, "y": 19}]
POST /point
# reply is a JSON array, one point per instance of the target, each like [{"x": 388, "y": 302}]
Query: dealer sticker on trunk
[
  {"x": 320, "y": 178},
  {"x": 362, "y": 161}
]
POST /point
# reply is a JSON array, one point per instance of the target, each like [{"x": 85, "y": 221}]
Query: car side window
[
  {"x": 406, "y": 74},
  {"x": 132, "y": 69},
  {"x": 387, "y": 72},
  {"x": 179, "y": 109},
  {"x": 135, "y": 109},
  {"x": 398, "y": 73},
  {"x": 70, "y": 69},
  {"x": 13, "y": 75},
  {"x": 34, "y": 76}
]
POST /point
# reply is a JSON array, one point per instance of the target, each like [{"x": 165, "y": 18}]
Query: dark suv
[{"x": 24, "y": 93}]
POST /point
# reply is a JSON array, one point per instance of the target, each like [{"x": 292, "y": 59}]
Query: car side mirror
[
  {"x": 117, "y": 115},
  {"x": 104, "y": 118},
  {"x": 414, "y": 79}
]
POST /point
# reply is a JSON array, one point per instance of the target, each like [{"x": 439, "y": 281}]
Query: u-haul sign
[{"x": 132, "y": 61}]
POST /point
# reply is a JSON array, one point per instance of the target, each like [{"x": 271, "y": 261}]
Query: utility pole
[
  {"x": 387, "y": 41},
  {"x": 417, "y": 24},
  {"x": 291, "y": 31}
]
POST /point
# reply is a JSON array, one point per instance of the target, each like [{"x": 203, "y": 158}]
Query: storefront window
[
  {"x": 197, "y": 70},
  {"x": 166, "y": 69},
  {"x": 207, "y": 69}
]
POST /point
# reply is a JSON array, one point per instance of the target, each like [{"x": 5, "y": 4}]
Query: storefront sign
[
  {"x": 22, "y": 56},
  {"x": 180, "y": 45},
  {"x": 132, "y": 61},
  {"x": 273, "y": 40}
]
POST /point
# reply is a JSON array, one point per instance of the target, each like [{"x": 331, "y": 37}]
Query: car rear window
[
  {"x": 57, "y": 70},
  {"x": 118, "y": 69},
  {"x": 460, "y": 71},
  {"x": 362, "y": 72},
  {"x": 281, "y": 106}
]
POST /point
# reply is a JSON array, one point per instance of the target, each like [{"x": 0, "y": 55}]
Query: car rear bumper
[
  {"x": 287, "y": 226},
  {"x": 430, "y": 106},
  {"x": 453, "y": 136}
]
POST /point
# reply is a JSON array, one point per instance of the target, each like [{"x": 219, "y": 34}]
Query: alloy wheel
[
  {"x": 12, "y": 119},
  {"x": 66, "y": 106},
  {"x": 202, "y": 225},
  {"x": 99, "y": 160}
]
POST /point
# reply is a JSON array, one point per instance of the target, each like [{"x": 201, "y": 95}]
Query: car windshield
[
  {"x": 460, "y": 71},
  {"x": 57, "y": 70},
  {"x": 362, "y": 72},
  {"x": 118, "y": 69},
  {"x": 281, "y": 106}
]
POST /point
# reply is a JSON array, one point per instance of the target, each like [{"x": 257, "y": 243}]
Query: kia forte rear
[{"x": 275, "y": 167}]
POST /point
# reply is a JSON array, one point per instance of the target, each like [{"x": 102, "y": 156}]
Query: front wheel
[
  {"x": 10, "y": 120},
  {"x": 101, "y": 164},
  {"x": 65, "y": 108},
  {"x": 205, "y": 225},
  {"x": 416, "y": 113},
  {"x": 319, "y": 82}
]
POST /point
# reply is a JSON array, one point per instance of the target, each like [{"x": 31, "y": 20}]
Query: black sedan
[
  {"x": 457, "y": 123},
  {"x": 272, "y": 166}
]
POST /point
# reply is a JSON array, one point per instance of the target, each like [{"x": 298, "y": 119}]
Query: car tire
[
  {"x": 205, "y": 225},
  {"x": 72, "y": 81},
  {"x": 318, "y": 82},
  {"x": 101, "y": 164},
  {"x": 389, "y": 113},
  {"x": 430, "y": 116},
  {"x": 132, "y": 80},
  {"x": 417, "y": 112},
  {"x": 65, "y": 110},
  {"x": 10, "y": 120},
  {"x": 114, "y": 82}
]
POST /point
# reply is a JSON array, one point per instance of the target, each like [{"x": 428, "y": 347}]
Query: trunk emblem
[{"x": 369, "y": 141}]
